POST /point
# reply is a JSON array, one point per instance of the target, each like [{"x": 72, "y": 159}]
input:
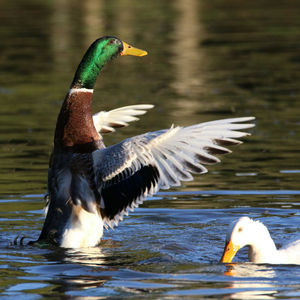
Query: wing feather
[
  {"x": 107, "y": 121},
  {"x": 128, "y": 172}
]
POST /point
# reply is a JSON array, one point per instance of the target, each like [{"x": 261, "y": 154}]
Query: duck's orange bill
[
  {"x": 129, "y": 50},
  {"x": 229, "y": 252}
]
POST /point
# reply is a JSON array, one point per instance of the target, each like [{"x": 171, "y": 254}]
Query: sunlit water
[{"x": 207, "y": 60}]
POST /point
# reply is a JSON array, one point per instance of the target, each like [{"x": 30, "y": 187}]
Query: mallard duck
[
  {"x": 90, "y": 186},
  {"x": 262, "y": 249}
]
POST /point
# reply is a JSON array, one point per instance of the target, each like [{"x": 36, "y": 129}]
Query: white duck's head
[{"x": 247, "y": 232}]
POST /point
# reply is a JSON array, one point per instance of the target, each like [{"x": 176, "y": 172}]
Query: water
[{"x": 207, "y": 60}]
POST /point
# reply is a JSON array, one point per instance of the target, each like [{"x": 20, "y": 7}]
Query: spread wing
[
  {"x": 107, "y": 121},
  {"x": 126, "y": 173}
]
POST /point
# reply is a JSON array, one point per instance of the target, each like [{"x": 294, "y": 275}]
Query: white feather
[
  {"x": 176, "y": 154},
  {"x": 105, "y": 121},
  {"x": 83, "y": 230}
]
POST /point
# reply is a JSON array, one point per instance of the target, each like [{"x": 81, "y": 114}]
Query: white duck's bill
[{"x": 230, "y": 251}]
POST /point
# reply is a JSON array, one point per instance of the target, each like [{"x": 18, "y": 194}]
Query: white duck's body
[{"x": 262, "y": 249}]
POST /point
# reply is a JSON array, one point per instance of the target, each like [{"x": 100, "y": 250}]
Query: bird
[
  {"x": 91, "y": 187},
  {"x": 262, "y": 249}
]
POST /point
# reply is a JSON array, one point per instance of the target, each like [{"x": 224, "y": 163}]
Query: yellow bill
[
  {"x": 229, "y": 252},
  {"x": 129, "y": 50}
]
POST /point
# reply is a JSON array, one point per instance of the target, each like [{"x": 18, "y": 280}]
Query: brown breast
[{"x": 75, "y": 127}]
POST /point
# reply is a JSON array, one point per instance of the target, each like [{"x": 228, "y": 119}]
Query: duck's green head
[{"x": 98, "y": 54}]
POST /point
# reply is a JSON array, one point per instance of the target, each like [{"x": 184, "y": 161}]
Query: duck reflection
[
  {"x": 92, "y": 256},
  {"x": 252, "y": 281},
  {"x": 88, "y": 256},
  {"x": 79, "y": 271}
]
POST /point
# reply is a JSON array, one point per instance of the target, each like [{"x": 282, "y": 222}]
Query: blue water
[
  {"x": 157, "y": 251},
  {"x": 207, "y": 60}
]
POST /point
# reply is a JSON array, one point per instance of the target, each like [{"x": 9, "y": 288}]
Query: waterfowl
[
  {"x": 90, "y": 186},
  {"x": 262, "y": 249}
]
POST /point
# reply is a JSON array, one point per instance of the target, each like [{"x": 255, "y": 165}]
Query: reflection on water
[
  {"x": 87, "y": 256},
  {"x": 253, "y": 291},
  {"x": 167, "y": 251},
  {"x": 207, "y": 60},
  {"x": 187, "y": 57},
  {"x": 260, "y": 288},
  {"x": 249, "y": 270}
]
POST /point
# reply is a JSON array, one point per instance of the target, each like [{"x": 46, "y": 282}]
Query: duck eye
[
  {"x": 111, "y": 42},
  {"x": 240, "y": 229}
]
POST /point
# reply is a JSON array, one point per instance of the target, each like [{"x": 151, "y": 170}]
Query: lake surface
[{"x": 207, "y": 60}]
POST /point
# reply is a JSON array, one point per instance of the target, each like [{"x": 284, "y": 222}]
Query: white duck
[{"x": 262, "y": 249}]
